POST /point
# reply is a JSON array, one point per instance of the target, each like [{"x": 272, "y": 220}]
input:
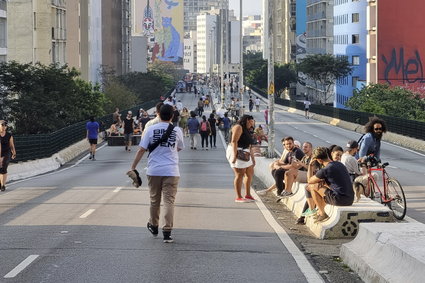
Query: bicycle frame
[{"x": 375, "y": 183}]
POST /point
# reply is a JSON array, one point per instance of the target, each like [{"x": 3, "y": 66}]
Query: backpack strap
[{"x": 164, "y": 137}]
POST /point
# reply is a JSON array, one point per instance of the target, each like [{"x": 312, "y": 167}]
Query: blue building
[{"x": 350, "y": 35}]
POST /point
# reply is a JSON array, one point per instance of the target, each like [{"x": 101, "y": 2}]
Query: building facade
[
  {"x": 285, "y": 19},
  {"x": 350, "y": 42},
  {"x": 3, "y": 30},
  {"x": 193, "y": 8},
  {"x": 207, "y": 25},
  {"x": 190, "y": 54},
  {"x": 36, "y": 31},
  {"x": 252, "y": 28}
]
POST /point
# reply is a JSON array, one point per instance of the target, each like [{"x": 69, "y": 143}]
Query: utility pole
[
  {"x": 270, "y": 78},
  {"x": 221, "y": 53},
  {"x": 241, "y": 56}
]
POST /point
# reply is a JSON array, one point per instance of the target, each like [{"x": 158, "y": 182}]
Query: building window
[
  {"x": 354, "y": 81},
  {"x": 355, "y": 38},
  {"x": 356, "y": 60},
  {"x": 355, "y": 17}
]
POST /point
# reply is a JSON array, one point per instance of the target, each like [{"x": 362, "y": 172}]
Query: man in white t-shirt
[
  {"x": 307, "y": 108},
  {"x": 163, "y": 170},
  {"x": 257, "y": 104}
]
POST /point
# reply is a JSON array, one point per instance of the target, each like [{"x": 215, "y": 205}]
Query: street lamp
[
  {"x": 241, "y": 82},
  {"x": 270, "y": 78}
]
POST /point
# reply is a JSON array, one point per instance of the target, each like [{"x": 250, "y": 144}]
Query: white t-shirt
[
  {"x": 350, "y": 163},
  {"x": 164, "y": 160},
  {"x": 307, "y": 104},
  {"x": 257, "y": 101}
]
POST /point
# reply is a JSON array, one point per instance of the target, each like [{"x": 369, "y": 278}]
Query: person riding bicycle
[{"x": 370, "y": 143}]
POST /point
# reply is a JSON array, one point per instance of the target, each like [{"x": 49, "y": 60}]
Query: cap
[
  {"x": 351, "y": 144},
  {"x": 297, "y": 143}
]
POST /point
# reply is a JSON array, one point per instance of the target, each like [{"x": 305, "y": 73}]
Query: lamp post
[
  {"x": 241, "y": 82},
  {"x": 270, "y": 78},
  {"x": 222, "y": 53}
]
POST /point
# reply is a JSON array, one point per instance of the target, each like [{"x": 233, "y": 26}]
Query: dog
[{"x": 358, "y": 189}]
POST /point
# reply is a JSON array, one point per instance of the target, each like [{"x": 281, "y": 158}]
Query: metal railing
[
  {"x": 31, "y": 147},
  {"x": 405, "y": 127}
]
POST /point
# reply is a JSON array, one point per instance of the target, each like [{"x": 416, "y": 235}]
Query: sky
[{"x": 250, "y": 7}]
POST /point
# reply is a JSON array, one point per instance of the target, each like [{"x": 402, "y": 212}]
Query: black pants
[
  {"x": 213, "y": 138},
  {"x": 204, "y": 137},
  {"x": 279, "y": 176}
]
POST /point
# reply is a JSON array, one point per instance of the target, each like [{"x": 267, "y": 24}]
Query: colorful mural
[
  {"x": 162, "y": 22},
  {"x": 401, "y": 48}
]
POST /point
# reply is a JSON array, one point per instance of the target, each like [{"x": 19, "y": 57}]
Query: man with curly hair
[{"x": 370, "y": 143}]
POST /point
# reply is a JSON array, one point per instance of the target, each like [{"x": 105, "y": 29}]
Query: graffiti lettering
[{"x": 410, "y": 71}]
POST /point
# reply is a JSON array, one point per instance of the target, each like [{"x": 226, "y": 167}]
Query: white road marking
[
  {"x": 306, "y": 268},
  {"x": 328, "y": 141},
  {"x": 117, "y": 189},
  {"x": 392, "y": 167},
  {"x": 24, "y": 264},
  {"x": 90, "y": 211},
  {"x": 316, "y": 136}
]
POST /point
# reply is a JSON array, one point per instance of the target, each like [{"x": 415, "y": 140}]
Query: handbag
[{"x": 243, "y": 155}]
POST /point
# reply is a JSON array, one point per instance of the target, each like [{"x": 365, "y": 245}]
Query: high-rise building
[
  {"x": 252, "y": 29},
  {"x": 206, "y": 28},
  {"x": 193, "y": 8},
  {"x": 190, "y": 53},
  {"x": 350, "y": 42},
  {"x": 36, "y": 31},
  {"x": 285, "y": 16},
  {"x": 3, "y": 30}
]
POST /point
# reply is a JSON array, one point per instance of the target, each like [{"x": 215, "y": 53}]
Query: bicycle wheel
[{"x": 396, "y": 200}]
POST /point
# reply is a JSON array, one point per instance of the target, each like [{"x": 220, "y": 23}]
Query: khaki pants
[{"x": 165, "y": 186}]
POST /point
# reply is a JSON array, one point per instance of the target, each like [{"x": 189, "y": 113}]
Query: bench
[
  {"x": 387, "y": 252},
  {"x": 119, "y": 140},
  {"x": 343, "y": 221}
]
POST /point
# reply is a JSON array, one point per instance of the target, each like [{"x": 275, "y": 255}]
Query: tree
[
  {"x": 41, "y": 99},
  {"x": 386, "y": 100},
  {"x": 118, "y": 95},
  {"x": 324, "y": 70}
]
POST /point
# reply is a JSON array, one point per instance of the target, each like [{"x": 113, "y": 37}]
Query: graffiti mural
[
  {"x": 162, "y": 22},
  {"x": 400, "y": 50}
]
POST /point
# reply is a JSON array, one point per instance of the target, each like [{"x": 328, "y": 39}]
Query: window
[
  {"x": 356, "y": 60},
  {"x": 355, "y": 17},
  {"x": 355, "y": 38},
  {"x": 354, "y": 81}
]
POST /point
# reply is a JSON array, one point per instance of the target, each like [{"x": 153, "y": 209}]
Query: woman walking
[
  {"x": 183, "y": 121},
  {"x": 204, "y": 130},
  {"x": 213, "y": 134},
  {"x": 241, "y": 157},
  {"x": 7, "y": 150}
]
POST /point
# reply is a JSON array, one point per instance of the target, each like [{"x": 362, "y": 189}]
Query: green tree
[
  {"x": 41, "y": 99},
  {"x": 386, "y": 100},
  {"x": 324, "y": 70},
  {"x": 118, "y": 95}
]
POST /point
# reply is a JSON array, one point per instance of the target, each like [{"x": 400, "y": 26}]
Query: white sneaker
[{"x": 262, "y": 192}]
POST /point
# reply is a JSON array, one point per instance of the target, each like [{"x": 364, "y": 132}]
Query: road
[{"x": 85, "y": 223}]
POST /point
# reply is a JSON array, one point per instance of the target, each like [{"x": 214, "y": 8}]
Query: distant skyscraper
[
  {"x": 3, "y": 30},
  {"x": 193, "y": 8}
]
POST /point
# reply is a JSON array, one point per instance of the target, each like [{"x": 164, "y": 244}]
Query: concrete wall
[
  {"x": 139, "y": 54},
  {"x": 95, "y": 40},
  {"x": 73, "y": 34},
  {"x": 112, "y": 34}
]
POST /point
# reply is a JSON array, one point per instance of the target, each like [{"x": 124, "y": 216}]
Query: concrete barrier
[
  {"x": 387, "y": 252},
  {"x": 343, "y": 221}
]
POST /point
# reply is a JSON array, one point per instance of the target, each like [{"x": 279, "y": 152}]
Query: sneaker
[
  {"x": 262, "y": 192},
  {"x": 322, "y": 218},
  {"x": 93, "y": 158},
  {"x": 167, "y": 237},
  {"x": 285, "y": 194},
  {"x": 90, "y": 156},
  {"x": 153, "y": 229},
  {"x": 309, "y": 212},
  {"x": 240, "y": 200},
  {"x": 249, "y": 198},
  {"x": 300, "y": 221},
  {"x": 3, "y": 188}
]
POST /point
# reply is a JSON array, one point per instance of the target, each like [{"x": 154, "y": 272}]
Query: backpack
[{"x": 203, "y": 126}]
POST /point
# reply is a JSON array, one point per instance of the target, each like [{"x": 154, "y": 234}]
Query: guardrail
[
  {"x": 31, "y": 147},
  {"x": 405, "y": 127}
]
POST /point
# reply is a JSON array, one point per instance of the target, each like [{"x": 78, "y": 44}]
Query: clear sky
[{"x": 249, "y": 7}]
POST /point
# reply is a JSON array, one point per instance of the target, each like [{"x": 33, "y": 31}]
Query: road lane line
[
  {"x": 24, "y": 264},
  {"x": 304, "y": 265},
  {"x": 90, "y": 211},
  {"x": 117, "y": 190}
]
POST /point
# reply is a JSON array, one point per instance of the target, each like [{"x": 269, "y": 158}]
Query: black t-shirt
[
  {"x": 212, "y": 121},
  {"x": 296, "y": 152},
  {"x": 176, "y": 115},
  {"x": 336, "y": 176},
  {"x": 144, "y": 120},
  {"x": 5, "y": 144},
  {"x": 245, "y": 140},
  {"x": 128, "y": 126}
]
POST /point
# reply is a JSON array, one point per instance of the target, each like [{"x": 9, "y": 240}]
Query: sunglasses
[{"x": 377, "y": 129}]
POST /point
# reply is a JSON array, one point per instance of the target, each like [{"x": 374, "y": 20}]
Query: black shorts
[
  {"x": 333, "y": 198},
  {"x": 5, "y": 164},
  {"x": 93, "y": 141}
]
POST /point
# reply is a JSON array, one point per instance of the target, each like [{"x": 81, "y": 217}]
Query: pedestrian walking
[
  {"x": 163, "y": 141},
  {"x": 92, "y": 128},
  {"x": 128, "y": 130},
  {"x": 307, "y": 108},
  {"x": 184, "y": 116},
  {"x": 213, "y": 134},
  {"x": 7, "y": 152},
  {"x": 193, "y": 127},
  {"x": 257, "y": 104},
  {"x": 251, "y": 105},
  {"x": 200, "y": 107},
  {"x": 226, "y": 126},
  {"x": 204, "y": 130}
]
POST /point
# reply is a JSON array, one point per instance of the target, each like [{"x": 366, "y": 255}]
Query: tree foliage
[
  {"x": 386, "y": 100},
  {"x": 41, "y": 99},
  {"x": 255, "y": 72},
  {"x": 324, "y": 70}
]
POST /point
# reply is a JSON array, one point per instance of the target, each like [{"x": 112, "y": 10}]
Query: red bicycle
[{"x": 392, "y": 194}]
